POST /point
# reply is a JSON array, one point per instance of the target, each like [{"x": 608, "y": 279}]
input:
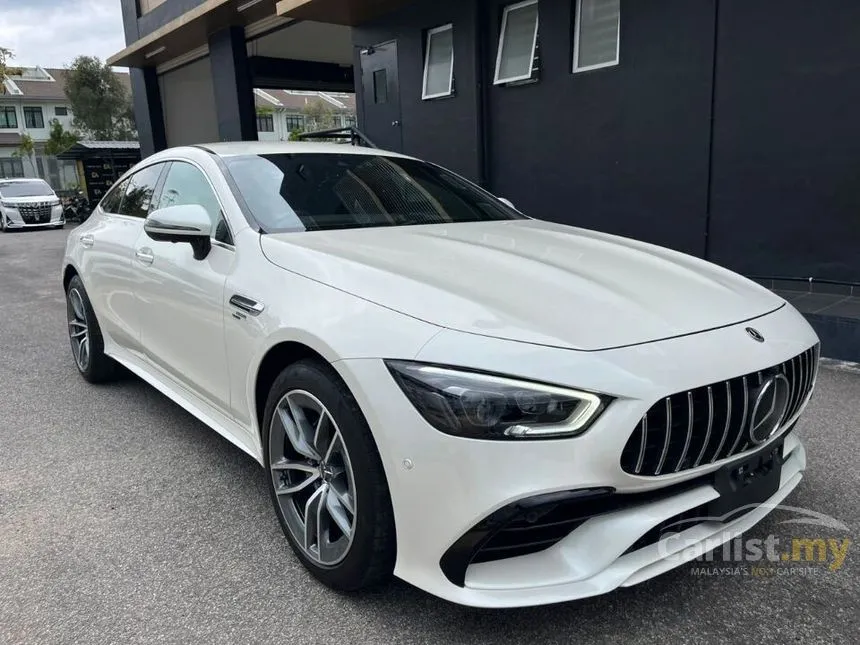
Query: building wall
[
  {"x": 188, "y": 103},
  {"x": 60, "y": 174},
  {"x": 786, "y": 174},
  {"x": 728, "y": 130},
  {"x": 621, "y": 149},
  {"x": 446, "y": 130}
]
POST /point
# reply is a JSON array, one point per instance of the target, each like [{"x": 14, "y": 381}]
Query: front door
[
  {"x": 381, "y": 96},
  {"x": 181, "y": 299}
]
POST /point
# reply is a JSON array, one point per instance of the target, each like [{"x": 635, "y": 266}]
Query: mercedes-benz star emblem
[
  {"x": 771, "y": 404},
  {"x": 755, "y": 334}
]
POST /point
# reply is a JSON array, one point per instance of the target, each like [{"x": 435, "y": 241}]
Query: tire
[
  {"x": 2, "y": 223},
  {"x": 371, "y": 545},
  {"x": 97, "y": 367}
]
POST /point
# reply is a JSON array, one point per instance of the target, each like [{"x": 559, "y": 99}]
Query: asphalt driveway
[{"x": 123, "y": 519}]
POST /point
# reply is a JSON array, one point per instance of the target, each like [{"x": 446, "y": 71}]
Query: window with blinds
[
  {"x": 596, "y": 34},
  {"x": 517, "y": 43},
  {"x": 439, "y": 63}
]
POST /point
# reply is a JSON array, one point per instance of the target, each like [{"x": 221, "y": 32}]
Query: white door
[
  {"x": 108, "y": 248},
  {"x": 181, "y": 300}
]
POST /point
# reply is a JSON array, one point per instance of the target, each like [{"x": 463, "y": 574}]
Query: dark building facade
[{"x": 727, "y": 129}]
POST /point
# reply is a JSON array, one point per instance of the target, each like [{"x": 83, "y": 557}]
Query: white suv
[{"x": 28, "y": 203}]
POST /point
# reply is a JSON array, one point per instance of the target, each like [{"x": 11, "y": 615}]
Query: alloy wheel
[
  {"x": 78, "y": 329},
  {"x": 312, "y": 477}
]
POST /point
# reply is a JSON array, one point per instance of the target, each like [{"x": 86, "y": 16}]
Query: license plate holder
[{"x": 746, "y": 484}]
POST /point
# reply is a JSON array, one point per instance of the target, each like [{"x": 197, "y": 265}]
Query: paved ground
[{"x": 123, "y": 519}]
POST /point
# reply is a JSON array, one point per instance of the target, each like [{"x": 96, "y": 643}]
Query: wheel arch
[
  {"x": 273, "y": 362},
  {"x": 69, "y": 272}
]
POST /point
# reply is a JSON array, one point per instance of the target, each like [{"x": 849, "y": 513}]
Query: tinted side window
[
  {"x": 111, "y": 201},
  {"x": 186, "y": 184},
  {"x": 138, "y": 197}
]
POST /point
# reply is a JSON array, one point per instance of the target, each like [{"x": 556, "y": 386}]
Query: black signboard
[{"x": 101, "y": 174}]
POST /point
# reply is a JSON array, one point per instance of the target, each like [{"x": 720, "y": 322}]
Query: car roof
[{"x": 236, "y": 148}]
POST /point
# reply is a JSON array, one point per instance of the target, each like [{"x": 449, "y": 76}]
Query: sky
[{"x": 51, "y": 33}]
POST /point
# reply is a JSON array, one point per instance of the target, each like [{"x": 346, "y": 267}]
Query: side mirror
[
  {"x": 507, "y": 202},
  {"x": 187, "y": 223}
]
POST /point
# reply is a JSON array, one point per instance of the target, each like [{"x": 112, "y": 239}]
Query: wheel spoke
[
  {"x": 85, "y": 352},
  {"x": 79, "y": 334},
  {"x": 344, "y": 497},
  {"x": 313, "y": 509},
  {"x": 77, "y": 305},
  {"x": 337, "y": 511},
  {"x": 322, "y": 423},
  {"x": 295, "y": 488},
  {"x": 77, "y": 324},
  {"x": 299, "y": 430}
]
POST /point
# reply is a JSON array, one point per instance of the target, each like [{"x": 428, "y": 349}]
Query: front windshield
[
  {"x": 25, "y": 189},
  {"x": 316, "y": 192}
]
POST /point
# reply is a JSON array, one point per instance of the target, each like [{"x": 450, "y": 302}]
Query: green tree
[
  {"x": 25, "y": 150},
  {"x": 99, "y": 101},
  {"x": 5, "y": 69},
  {"x": 319, "y": 114},
  {"x": 60, "y": 139}
]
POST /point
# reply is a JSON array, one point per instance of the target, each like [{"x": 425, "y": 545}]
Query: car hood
[{"x": 526, "y": 280}]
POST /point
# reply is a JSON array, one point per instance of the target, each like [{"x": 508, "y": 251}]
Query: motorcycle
[{"x": 76, "y": 208}]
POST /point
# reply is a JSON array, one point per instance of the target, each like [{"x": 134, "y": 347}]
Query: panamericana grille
[
  {"x": 710, "y": 423},
  {"x": 36, "y": 213}
]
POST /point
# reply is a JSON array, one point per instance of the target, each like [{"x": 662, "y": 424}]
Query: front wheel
[{"x": 326, "y": 479}]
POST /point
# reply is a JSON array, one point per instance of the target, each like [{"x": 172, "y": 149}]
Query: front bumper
[
  {"x": 442, "y": 486},
  {"x": 15, "y": 221}
]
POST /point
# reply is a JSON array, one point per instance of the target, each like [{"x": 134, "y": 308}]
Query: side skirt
[{"x": 226, "y": 427}]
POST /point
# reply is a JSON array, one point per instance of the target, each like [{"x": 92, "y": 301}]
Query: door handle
[
  {"x": 396, "y": 124},
  {"x": 145, "y": 256},
  {"x": 87, "y": 240},
  {"x": 251, "y": 307}
]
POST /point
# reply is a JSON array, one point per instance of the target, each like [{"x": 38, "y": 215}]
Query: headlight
[
  {"x": 7, "y": 205},
  {"x": 486, "y": 406}
]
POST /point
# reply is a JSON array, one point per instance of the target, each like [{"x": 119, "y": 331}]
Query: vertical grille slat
[
  {"x": 667, "y": 437},
  {"x": 689, "y": 432},
  {"x": 719, "y": 433},
  {"x": 742, "y": 420},
  {"x": 708, "y": 430},
  {"x": 728, "y": 422},
  {"x": 644, "y": 442}
]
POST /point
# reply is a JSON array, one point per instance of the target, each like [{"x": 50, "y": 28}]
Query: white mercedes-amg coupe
[{"x": 500, "y": 410}]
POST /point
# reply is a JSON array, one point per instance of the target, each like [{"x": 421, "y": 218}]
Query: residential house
[
  {"x": 281, "y": 112},
  {"x": 33, "y": 98}
]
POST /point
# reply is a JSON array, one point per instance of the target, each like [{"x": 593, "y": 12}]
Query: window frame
[
  {"x": 577, "y": 28},
  {"x": 231, "y": 245},
  {"x": 268, "y": 119},
  {"x": 16, "y": 164},
  {"x": 523, "y": 77},
  {"x": 156, "y": 190},
  {"x": 291, "y": 120},
  {"x": 7, "y": 109},
  {"x": 32, "y": 110},
  {"x": 65, "y": 110},
  {"x": 430, "y": 33}
]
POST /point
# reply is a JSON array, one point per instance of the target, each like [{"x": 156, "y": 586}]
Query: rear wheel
[
  {"x": 326, "y": 479},
  {"x": 86, "y": 336}
]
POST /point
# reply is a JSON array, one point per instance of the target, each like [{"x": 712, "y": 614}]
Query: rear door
[
  {"x": 107, "y": 251},
  {"x": 381, "y": 96}
]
